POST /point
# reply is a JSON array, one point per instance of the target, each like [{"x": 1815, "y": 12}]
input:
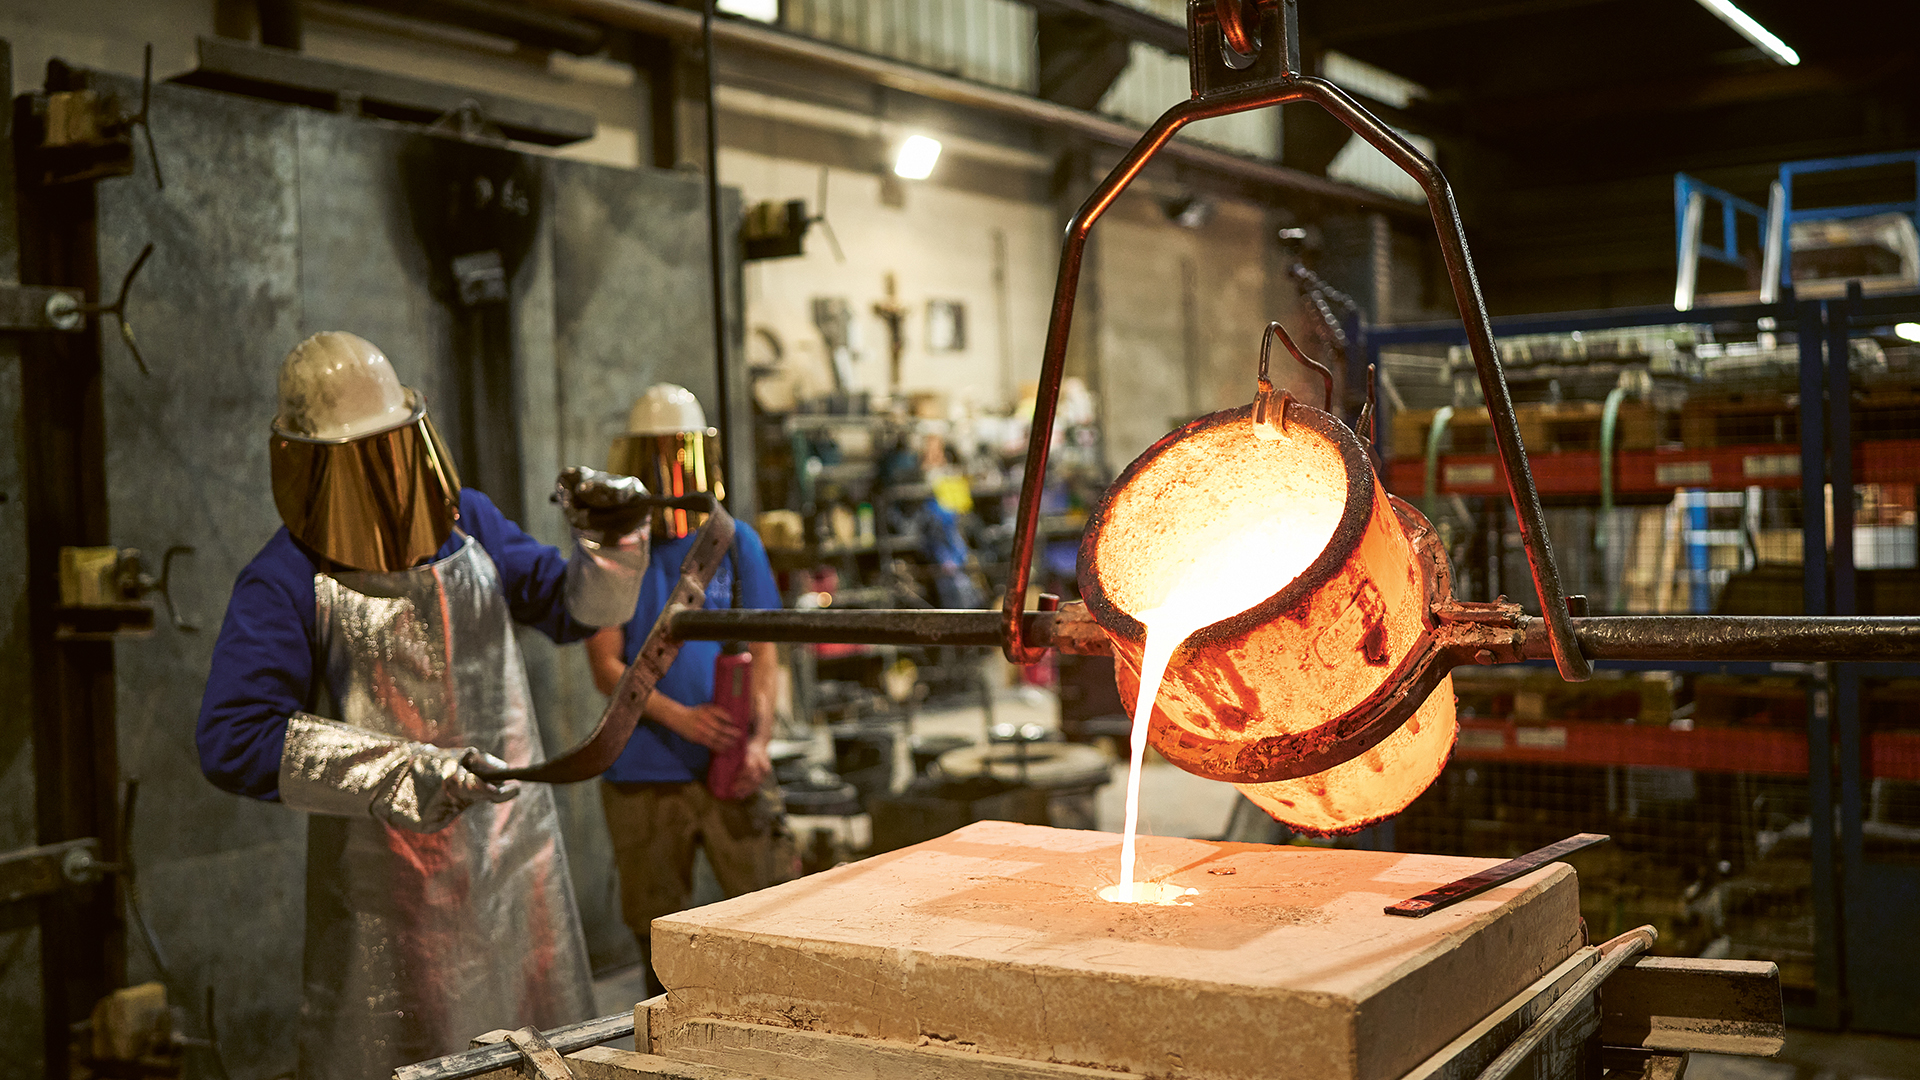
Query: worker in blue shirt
[
  {"x": 656, "y": 797},
  {"x": 366, "y": 664}
]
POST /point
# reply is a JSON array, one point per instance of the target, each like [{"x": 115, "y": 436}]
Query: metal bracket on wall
[
  {"x": 34, "y": 308},
  {"x": 85, "y": 136},
  {"x": 36, "y": 871}
]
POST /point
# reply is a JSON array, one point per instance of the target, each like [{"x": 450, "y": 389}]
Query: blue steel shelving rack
[{"x": 1863, "y": 910}]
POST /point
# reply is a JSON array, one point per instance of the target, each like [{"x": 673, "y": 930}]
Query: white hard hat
[
  {"x": 337, "y": 385},
  {"x": 359, "y": 474},
  {"x": 666, "y": 409}
]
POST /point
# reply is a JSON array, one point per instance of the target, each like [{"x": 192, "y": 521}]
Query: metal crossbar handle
[
  {"x": 628, "y": 701},
  {"x": 505, "y": 1055},
  {"x": 1506, "y": 637},
  {"x": 1474, "y": 884},
  {"x": 1273, "y": 77},
  {"x": 1613, "y": 953}
]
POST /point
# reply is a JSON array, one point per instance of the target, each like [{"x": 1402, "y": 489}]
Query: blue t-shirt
[
  {"x": 263, "y": 661},
  {"x": 656, "y": 755}
]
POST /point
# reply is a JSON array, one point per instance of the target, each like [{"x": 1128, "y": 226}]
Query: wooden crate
[
  {"x": 1736, "y": 418},
  {"x": 1768, "y": 701},
  {"x": 1540, "y": 696},
  {"x": 1886, "y": 412}
]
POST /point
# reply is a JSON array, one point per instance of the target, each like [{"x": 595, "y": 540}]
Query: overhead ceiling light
[
  {"x": 1752, "y": 31},
  {"x": 765, "y": 11},
  {"x": 1907, "y": 331},
  {"x": 916, "y": 157}
]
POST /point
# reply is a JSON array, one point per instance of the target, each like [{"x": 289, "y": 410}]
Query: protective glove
[
  {"x": 603, "y": 506},
  {"x": 333, "y": 768},
  {"x": 609, "y": 557}
]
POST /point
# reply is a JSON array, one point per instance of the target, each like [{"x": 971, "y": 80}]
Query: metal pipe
[
  {"x": 1436, "y": 431},
  {"x": 1609, "y": 420},
  {"x": 905, "y": 626},
  {"x": 1690, "y": 223},
  {"x": 1736, "y": 638},
  {"x": 1708, "y": 638},
  {"x": 717, "y": 263},
  {"x": 1774, "y": 253},
  {"x": 1613, "y": 953},
  {"x": 665, "y": 20},
  {"x": 500, "y": 1057}
]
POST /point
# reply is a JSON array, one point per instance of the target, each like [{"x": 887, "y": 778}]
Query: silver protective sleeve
[
  {"x": 603, "y": 579},
  {"x": 333, "y": 768}
]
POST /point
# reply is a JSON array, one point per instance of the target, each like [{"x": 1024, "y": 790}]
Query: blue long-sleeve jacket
[{"x": 263, "y": 661}]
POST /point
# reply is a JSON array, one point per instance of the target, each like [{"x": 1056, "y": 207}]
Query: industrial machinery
[{"x": 961, "y": 955}]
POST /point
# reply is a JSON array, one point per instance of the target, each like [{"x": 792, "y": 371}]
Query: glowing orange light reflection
[
  {"x": 1256, "y": 590},
  {"x": 1155, "y": 893}
]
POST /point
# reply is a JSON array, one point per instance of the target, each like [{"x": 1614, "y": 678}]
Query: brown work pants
[{"x": 655, "y": 828}]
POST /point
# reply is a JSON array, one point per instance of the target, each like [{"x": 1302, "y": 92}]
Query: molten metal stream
[{"x": 1222, "y": 579}]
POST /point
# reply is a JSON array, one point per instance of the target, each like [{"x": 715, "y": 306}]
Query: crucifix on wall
[{"x": 894, "y": 314}]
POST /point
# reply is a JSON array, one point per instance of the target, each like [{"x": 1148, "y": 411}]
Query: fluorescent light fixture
[
  {"x": 765, "y": 11},
  {"x": 916, "y": 157},
  {"x": 1909, "y": 331},
  {"x": 1752, "y": 31}
]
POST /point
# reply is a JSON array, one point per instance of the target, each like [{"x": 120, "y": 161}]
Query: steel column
[
  {"x": 1824, "y": 878},
  {"x": 72, "y": 705}
]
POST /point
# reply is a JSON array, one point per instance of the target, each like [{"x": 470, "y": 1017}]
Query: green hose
[
  {"x": 1609, "y": 418},
  {"x": 1434, "y": 434}
]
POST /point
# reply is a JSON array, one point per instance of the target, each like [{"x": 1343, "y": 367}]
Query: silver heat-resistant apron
[{"x": 417, "y": 942}]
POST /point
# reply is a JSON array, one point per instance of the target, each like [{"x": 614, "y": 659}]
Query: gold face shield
[
  {"x": 381, "y": 502},
  {"x": 672, "y": 465}
]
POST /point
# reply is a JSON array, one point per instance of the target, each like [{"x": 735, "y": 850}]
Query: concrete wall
[
  {"x": 995, "y": 255},
  {"x": 20, "y": 999},
  {"x": 276, "y": 223},
  {"x": 1168, "y": 322}
]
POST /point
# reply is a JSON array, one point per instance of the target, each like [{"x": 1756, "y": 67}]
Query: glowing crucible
[{"x": 1290, "y": 581}]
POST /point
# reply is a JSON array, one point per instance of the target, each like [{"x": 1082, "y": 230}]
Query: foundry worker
[
  {"x": 366, "y": 666},
  {"x": 656, "y": 796}
]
